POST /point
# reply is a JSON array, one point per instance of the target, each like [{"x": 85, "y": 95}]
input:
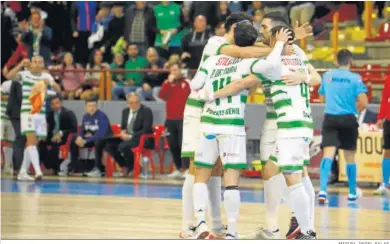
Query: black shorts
[
  {"x": 340, "y": 131},
  {"x": 386, "y": 134}
]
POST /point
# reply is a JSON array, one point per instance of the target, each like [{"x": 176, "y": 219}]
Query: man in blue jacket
[{"x": 95, "y": 127}]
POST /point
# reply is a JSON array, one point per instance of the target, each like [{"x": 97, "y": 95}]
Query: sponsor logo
[
  {"x": 228, "y": 154},
  {"x": 209, "y": 136}
]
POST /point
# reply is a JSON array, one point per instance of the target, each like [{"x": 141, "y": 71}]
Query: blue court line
[{"x": 156, "y": 190}]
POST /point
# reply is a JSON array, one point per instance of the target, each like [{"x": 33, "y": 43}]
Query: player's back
[
  {"x": 225, "y": 115},
  {"x": 292, "y": 103}
]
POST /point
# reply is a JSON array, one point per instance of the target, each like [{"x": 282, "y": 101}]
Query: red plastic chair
[
  {"x": 64, "y": 149},
  {"x": 372, "y": 74},
  {"x": 382, "y": 35},
  {"x": 139, "y": 152},
  {"x": 159, "y": 132}
]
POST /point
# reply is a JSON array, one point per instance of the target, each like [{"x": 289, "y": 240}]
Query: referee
[
  {"x": 340, "y": 89},
  {"x": 384, "y": 121}
]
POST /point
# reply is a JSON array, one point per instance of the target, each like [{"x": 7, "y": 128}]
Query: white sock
[
  {"x": 200, "y": 201},
  {"x": 232, "y": 207},
  {"x": 8, "y": 151},
  {"x": 214, "y": 187},
  {"x": 300, "y": 205},
  {"x": 188, "y": 201},
  {"x": 34, "y": 156},
  {"x": 312, "y": 197},
  {"x": 25, "y": 163},
  {"x": 273, "y": 191}
]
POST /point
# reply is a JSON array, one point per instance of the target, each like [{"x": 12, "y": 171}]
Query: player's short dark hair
[
  {"x": 235, "y": 18},
  {"x": 92, "y": 99},
  {"x": 245, "y": 34},
  {"x": 276, "y": 29},
  {"x": 277, "y": 18},
  {"x": 344, "y": 57},
  {"x": 54, "y": 97}
]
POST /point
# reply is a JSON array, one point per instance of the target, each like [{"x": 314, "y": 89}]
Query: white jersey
[
  {"x": 213, "y": 47},
  {"x": 5, "y": 90},
  {"x": 292, "y": 103},
  {"x": 28, "y": 80}
]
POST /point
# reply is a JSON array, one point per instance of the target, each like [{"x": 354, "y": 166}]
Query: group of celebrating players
[{"x": 214, "y": 135}]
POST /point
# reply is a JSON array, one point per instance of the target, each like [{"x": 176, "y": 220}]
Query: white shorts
[
  {"x": 34, "y": 123},
  {"x": 268, "y": 146},
  {"x": 190, "y": 141},
  {"x": 292, "y": 153},
  {"x": 231, "y": 149},
  {"x": 7, "y": 131}
]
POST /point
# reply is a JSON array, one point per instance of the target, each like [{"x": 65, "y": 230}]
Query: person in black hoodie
[{"x": 95, "y": 127}]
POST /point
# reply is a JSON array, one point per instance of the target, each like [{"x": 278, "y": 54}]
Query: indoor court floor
[{"x": 80, "y": 208}]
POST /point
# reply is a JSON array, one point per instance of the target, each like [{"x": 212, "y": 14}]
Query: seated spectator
[
  {"x": 137, "y": 120},
  {"x": 169, "y": 27},
  {"x": 152, "y": 82},
  {"x": 133, "y": 80},
  {"x": 37, "y": 38},
  {"x": 223, "y": 11},
  {"x": 61, "y": 122},
  {"x": 365, "y": 115},
  {"x": 118, "y": 79},
  {"x": 95, "y": 127},
  {"x": 91, "y": 85},
  {"x": 220, "y": 29},
  {"x": 301, "y": 12},
  {"x": 71, "y": 81},
  {"x": 174, "y": 92},
  {"x": 194, "y": 42}
]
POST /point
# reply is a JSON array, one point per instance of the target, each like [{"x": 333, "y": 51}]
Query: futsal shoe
[
  {"x": 219, "y": 233},
  {"x": 322, "y": 198},
  {"x": 294, "y": 229},
  {"x": 354, "y": 197},
  {"x": 25, "y": 177},
  {"x": 201, "y": 231},
  {"x": 187, "y": 234},
  {"x": 38, "y": 177},
  {"x": 382, "y": 190},
  {"x": 310, "y": 235},
  {"x": 230, "y": 237},
  {"x": 175, "y": 175}
]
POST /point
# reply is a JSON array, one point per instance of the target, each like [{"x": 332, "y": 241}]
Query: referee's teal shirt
[{"x": 341, "y": 87}]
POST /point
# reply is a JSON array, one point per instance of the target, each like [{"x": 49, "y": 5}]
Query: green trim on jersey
[
  {"x": 28, "y": 132},
  {"x": 282, "y": 103},
  {"x": 28, "y": 83},
  {"x": 187, "y": 154},
  {"x": 239, "y": 165},
  {"x": 278, "y": 92},
  {"x": 243, "y": 98},
  {"x": 273, "y": 158},
  {"x": 204, "y": 71},
  {"x": 306, "y": 62},
  {"x": 271, "y": 115},
  {"x": 216, "y": 121},
  {"x": 281, "y": 115},
  {"x": 294, "y": 124},
  {"x": 203, "y": 164},
  {"x": 195, "y": 103},
  {"x": 306, "y": 162},
  {"x": 220, "y": 48}
]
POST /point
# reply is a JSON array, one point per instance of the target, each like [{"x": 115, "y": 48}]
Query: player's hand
[
  {"x": 171, "y": 78},
  {"x": 303, "y": 31},
  {"x": 283, "y": 35},
  {"x": 79, "y": 141},
  {"x": 124, "y": 136},
  {"x": 185, "y": 55},
  {"x": 294, "y": 78},
  {"x": 379, "y": 123},
  {"x": 25, "y": 62},
  {"x": 75, "y": 34}
]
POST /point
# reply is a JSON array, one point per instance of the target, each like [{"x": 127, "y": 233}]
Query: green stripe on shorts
[
  {"x": 294, "y": 124},
  {"x": 234, "y": 166},
  {"x": 306, "y": 162},
  {"x": 291, "y": 168},
  {"x": 187, "y": 154},
  {"x": 203, "y": 164},
  {"x": 28, "y": 132}
]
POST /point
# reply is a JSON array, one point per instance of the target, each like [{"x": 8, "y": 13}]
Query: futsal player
[{"x": 341, "y": 89}]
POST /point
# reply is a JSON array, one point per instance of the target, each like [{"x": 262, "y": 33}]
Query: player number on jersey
[
  {"x": 219, "y": 84},
  {"x": 305, "y": 93}
]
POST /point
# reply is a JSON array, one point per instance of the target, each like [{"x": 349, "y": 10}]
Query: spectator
[
  {"x": 114, "y": 30},
  {"x": 152, "y": 82},
  {"x": 235, "y": 6},
  {"x": 90, "y": 86},
  {"x": 140, "y": 26},
  {"x": 275, "y": 6},
  {"x": 71, "y": 80},
  {"x": 99, "y": 28},
  {"x": 365, "y": 115},
  {"x": 194, "y": 42},
  {"x": 95, "y": 126},
  {"x": 256, "y": 5},
  {"x": 17, "y": 56},
  {"x": 257, "y": 19},
  {"x": 133, "y": 80},
  {"x": 223, "y": 11},
  {"x": 170, "y": 23},
  {"x": 118, "y": 79},
  {"x": 174, "y": 92},
  {"x": 61, "y": 123},
  {"x": 206, "y": 9},
  {"x": 220, "y": 29},
  {"x": 37, "y": 38},
  {"x": 137, "y": 120},
  {"x": 302, "y": 12},
  {"x": 7, "y": 39},
  {"x": 82, "y": 19}
]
